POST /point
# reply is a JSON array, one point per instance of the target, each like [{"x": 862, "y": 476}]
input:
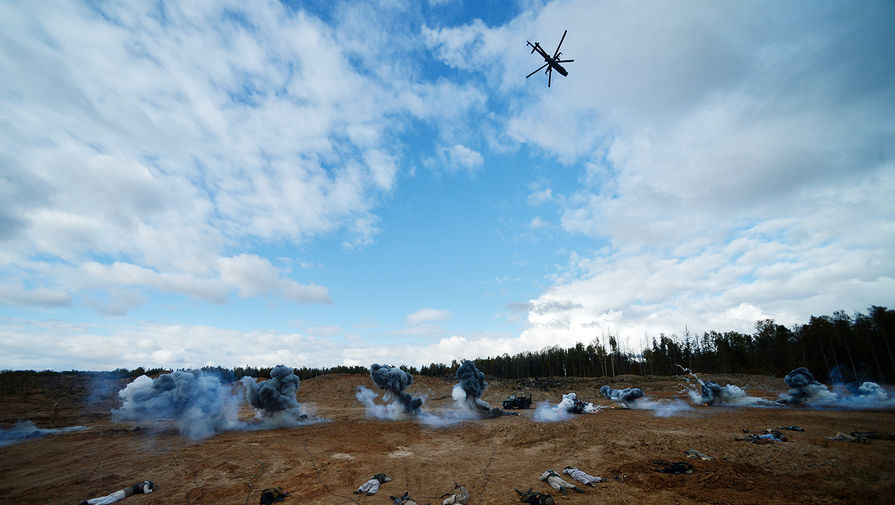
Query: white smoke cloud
[
  {"x": 198, "y": 404},
  {"x": 27, "y": 430},
  {"x": 564, "y": 410}
]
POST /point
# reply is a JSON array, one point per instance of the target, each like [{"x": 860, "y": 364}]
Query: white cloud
[
  {"x": 540, "y": 196},
  {"x": 739, "y": 169},
  {"x": 255, "y": 276},
  {"x": 428, "y": 315},
  {"x": 158, "y": 142},
  {"x": 538, "y": 222},
  {"x": 16, "y": 294},
  {"x": 152, "y": 344},
  {"x": 461, "y": 157}
]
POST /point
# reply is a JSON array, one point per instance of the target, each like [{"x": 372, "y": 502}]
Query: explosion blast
[
  {"x": 633, "y": 398},
  {"x": 197, "y": 402},
  {"x": 394, "y": 381},
  {"x": 467, "y": 393},
  {"x": 564, "y": 410},
  {"x": 805, "y": 389},
  {"x": 274, "y": 399}
]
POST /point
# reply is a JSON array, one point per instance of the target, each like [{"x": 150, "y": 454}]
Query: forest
[{"x": 836, "y": 348}]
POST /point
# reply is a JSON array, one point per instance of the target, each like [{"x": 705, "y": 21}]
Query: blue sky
[{"x": 323, "y": 183}]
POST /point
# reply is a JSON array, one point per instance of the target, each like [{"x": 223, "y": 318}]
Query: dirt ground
[{"x": 323, "y": 463}]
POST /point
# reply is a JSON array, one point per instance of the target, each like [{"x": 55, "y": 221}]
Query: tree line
[
  {"x": 835, "y": 348},
  {"x": 838, "y": 347}
]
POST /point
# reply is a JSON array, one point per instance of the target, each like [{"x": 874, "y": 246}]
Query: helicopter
[{"x": 552, "y": 63}]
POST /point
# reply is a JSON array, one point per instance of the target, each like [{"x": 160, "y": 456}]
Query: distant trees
[{"x": 854, "y": 348}]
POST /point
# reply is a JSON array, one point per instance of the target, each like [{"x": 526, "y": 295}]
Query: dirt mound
[{"x": 323, "y": 463}]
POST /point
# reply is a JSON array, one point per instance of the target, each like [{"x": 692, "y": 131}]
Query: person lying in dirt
[
  {"x": 556, "y": 482},
  {"x": 535, "y": 498},
  {"x": 404, "y": 499},
  {"x": 580, "y": 476},
  {"x": 676, "y": 468},
  {"x": 459, "y": 496},
  {"x": 770, "y": 437},
  {"x": 372, "y": 486},
  {"x": 270, "y": 496},
  {"x": 144, "y": 487}
]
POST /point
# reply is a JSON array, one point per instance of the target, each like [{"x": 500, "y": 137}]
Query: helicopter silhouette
[{"x": 552, "y": 62}]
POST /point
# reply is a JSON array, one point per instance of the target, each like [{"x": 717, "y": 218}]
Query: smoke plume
[
  {"x": 714, "y": 394},
  {"x": 467, "y": 399},
  {"x": 198, "y": 403},
  {"x": 633, "y": 398},
  {"x": 467, "y": 393},
  {"x": 274, "y": 399},
  {"x": 394, "y": 381},
  {"x": 27, "y": 430},
  {"x": 804, "y": 388},
  {"x": 564, "y": 410},
  {"x": 625, "y": 396}
]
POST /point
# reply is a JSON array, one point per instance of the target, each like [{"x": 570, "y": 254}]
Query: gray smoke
[
  {"x": 27, "y": 430},
  {"x": 627, "y": 395},
  {"x": 564, "y": 410},
  {"x": 731, "y": 395},
  {"x": 274, "y": 399},
  {"x": 803, "y": 387},
  {"x": 633, "y": 398},
  {"x": 198, "y": 403},
  {"x": 711, "y": 393},
  {"x": 394, "y": 381},
  {"x": 467, "y": 393}
]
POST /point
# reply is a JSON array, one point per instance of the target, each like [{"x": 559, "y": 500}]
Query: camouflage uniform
[
  {"x": 557, "y": 483},
  {"x": 404, "y": 499},
  {"x": 535, "y": 498}
]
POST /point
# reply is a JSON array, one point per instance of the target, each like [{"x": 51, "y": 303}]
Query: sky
[{"x": 347, "y": 182}]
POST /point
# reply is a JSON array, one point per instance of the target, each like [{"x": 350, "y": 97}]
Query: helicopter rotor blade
[
  {"x": 555, "y": 54},
  {"x": 549, "y": 75},
  {"x": 564, "y": 61},
  {"x": 536, "y": 71}
]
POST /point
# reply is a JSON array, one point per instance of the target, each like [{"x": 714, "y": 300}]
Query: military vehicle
[{"x": 517, "y": 402}]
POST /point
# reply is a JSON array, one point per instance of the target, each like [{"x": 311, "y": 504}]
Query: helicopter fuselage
[{"x": 549, "y": 59}]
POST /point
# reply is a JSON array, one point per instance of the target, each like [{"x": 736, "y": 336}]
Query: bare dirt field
[{"x": 323, "y": 463}]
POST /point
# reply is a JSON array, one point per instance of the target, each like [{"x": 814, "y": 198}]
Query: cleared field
[{"x": 323, "y": 463}]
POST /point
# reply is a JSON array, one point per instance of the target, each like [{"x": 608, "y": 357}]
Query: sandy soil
[{"x": 324, "y": 463}]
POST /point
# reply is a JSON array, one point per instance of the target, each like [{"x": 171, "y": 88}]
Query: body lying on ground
[
  {"x": 459, "y": 496},
  {"x": 144, "y": 487},
  {"x": 535, "y": 498},
  {"x": 580, "y": 476},
  {"x": 372, "y": 486},
  {"x": 404, "y": 499},
  {"x": 556, "y": 482}
]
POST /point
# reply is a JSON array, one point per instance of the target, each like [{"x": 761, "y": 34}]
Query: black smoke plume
[
  {"x": 274, "y": 399},
  {"x": 467, "y": 393},
  {"x": 803, "y": 387},
  {"x": 394, "y": 381}
]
